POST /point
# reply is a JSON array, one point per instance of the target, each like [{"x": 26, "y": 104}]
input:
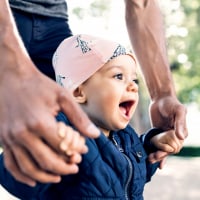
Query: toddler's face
[{"x": 112, "y": 93}]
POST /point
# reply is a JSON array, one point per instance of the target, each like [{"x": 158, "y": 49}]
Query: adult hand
[
  {"x": 146, "y": 31},
  {"x": 29, "y": 102},
  {"x": 28, "y": 130},
  {"x": 168, "y": 113},
  {"x": 158, "y": 156}
]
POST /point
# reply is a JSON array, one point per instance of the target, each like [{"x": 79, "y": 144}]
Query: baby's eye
[
  {"x": 136, "y": 81},
  {"x": 119, "y": 76}
]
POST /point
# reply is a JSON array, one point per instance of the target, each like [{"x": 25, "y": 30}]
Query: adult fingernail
[{"x": 93, "y": 130}]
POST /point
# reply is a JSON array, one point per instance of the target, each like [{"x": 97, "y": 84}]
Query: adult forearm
[
  {"x": 146, "y": 32},
  {"x": 11, "y": 46}
]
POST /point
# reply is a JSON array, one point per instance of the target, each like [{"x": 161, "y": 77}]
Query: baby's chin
[
  {"x": 113, "y": 127},
  {"x": 120, "y": 126}
]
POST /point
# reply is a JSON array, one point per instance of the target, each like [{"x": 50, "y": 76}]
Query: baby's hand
[
  {"x": 72, "y": 143},
  {"x": 166, "y": 143}
]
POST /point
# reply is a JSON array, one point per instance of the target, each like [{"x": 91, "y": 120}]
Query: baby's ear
[{"x": 79, "y": 95}]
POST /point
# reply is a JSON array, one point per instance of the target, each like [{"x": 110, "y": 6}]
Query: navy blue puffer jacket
[{"x": 114, "y": 168}]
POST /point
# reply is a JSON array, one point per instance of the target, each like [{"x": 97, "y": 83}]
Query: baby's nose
[{"x": 132, "y": 86}]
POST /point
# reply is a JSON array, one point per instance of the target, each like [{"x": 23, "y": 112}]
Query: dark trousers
[{"x": 41, "y": 36}]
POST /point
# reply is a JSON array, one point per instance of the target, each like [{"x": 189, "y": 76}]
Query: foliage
[
  {"x": 183, "y": 37},
  {"x": 189, "y": 151},
  {"x": 96, "y": 8}
]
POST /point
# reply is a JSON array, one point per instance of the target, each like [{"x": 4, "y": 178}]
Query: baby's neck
[{"x": 105, "y": 131}]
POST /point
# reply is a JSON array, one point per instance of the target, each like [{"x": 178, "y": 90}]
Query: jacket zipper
[
  {"x": 129, "y": 177},
  {"x": 130, "y": 168}
]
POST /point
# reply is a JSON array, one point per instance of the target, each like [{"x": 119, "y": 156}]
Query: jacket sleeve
[
  {"x": 149, "y": 148},
  {"x": 146, "y": 137}
]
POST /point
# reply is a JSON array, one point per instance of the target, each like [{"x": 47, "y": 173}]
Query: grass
[
  {"x": 186, "y": 151},
  {"x": 189, "y": 151}
]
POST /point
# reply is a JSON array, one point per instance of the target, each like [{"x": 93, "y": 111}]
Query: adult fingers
[
  {"x": 180, "y": 123},
  {"x": 26, "y": 170},
  {"x": 47, "y": 159},
  {"x": 157, "y": 156},
  {"x": 162, "y": 163},
  {"x": 63, "y": 139},
  {"x": 35, "y": 157},
  {"x": 11, "y": 165}
]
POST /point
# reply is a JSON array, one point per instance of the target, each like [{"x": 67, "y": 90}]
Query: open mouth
[{"x": 125, "y": 107}]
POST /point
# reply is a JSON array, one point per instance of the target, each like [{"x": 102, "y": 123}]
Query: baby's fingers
[
  {"x": 75, "y": 158},
  {"x": 177, "y": 145},
  {"x": 166, "y": 147},
  {"x": 72, "y": 141},
  {"x": 77, "y": 144}
]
